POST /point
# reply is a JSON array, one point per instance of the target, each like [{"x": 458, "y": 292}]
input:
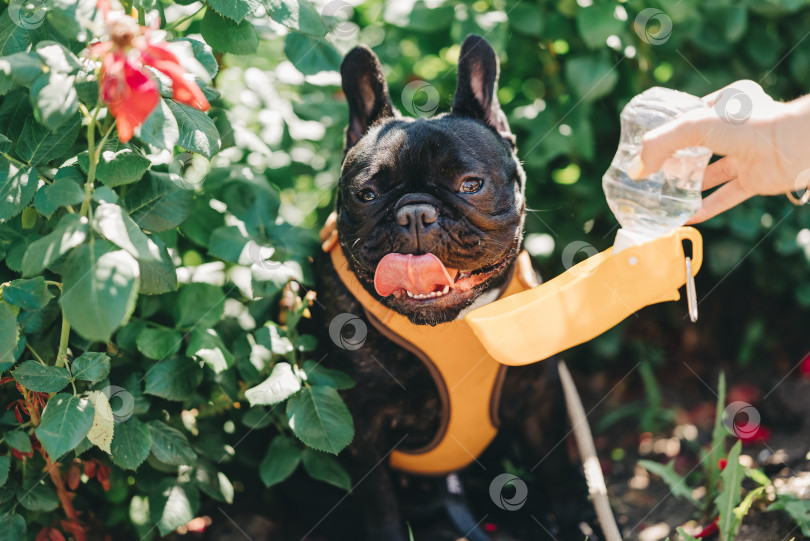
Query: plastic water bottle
[{"x": 658, "y": 204}]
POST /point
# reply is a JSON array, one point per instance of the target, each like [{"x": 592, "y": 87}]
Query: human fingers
[
  {"x": 725, "y": 197},
  {"x": 719, "y": 172},
  {"x": 694, "y": 128}
]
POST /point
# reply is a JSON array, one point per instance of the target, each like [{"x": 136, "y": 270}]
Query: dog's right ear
[{"x": 366, "y": 91}]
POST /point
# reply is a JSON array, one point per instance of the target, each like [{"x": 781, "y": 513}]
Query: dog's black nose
[{"x": 417, "y": 216}]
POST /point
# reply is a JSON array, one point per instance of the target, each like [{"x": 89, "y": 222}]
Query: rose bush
[{"x": 135, "y": 372}]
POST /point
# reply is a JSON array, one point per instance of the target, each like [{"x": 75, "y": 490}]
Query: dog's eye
[
  {"x": 366, "y": 195},
  {"x": 471, "y": 185}
]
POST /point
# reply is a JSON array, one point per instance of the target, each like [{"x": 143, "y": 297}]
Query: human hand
[{"x": 764, "y": 144}]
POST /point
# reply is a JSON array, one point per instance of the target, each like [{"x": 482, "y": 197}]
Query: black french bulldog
[{"x": 451, "y": 186}]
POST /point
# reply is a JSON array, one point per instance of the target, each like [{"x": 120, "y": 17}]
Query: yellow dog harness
[{"x": 529, "y": 323}]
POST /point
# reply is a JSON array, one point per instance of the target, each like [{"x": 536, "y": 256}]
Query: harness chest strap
[{"x": 468, "y": 378}]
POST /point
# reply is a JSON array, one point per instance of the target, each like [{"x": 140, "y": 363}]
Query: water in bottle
[{"x": 665, "y": 200}]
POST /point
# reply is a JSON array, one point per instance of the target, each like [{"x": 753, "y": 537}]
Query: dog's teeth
[
  {"x": 446, "y": 290},
  {"x": 409, "y": 294}
]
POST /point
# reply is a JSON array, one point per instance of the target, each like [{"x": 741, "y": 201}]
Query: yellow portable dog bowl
[{"x": 588, "y": 299}]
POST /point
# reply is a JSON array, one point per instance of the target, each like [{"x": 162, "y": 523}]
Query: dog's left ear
[
  {"x": 477, "y": 90},
  {"x": 366, "y": 91}
]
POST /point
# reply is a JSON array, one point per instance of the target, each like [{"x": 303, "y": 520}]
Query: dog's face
[{"x": 430, "y": 211}]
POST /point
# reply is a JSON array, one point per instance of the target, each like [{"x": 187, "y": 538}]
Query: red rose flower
[
  {"x": 125, "y": 84},
  {"x": 709, "y": 530}
]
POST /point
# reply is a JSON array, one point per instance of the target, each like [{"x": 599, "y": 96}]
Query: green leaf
[
  {"x": 119, "y": 165},
  {"x": 198, "y": 133},
  {"x": 41, "y": 378},
  {"x": 320, "y": 419},
  {"x": 253, "y": 200},
  {"x": 15, "y": 37},
  {"x": 273, "y": 338},
  {"x": 17, "y": 186},
  {"x": 320, "y": 375},
  {"x": 159, "y": 343},
  {"x": 38, "y": 144},
  {"x": 173, "y": 504},
  {"x": 228, "y": 243},
  {"x": 30, "y": 294},
  {"x": 591, "y": 77},
  {"x": 19, "y": 440},
  {"x": 65, "y": 421},
  {"x": 234, "y": 9},
  {"x": 14, "y": 109},
  {"x": 204, "y": 55},
  {"x": 57, "y": 57},
  {"x": 596, "y": 22},
  {"x": 69, "y": 233},
  {"x": 5, "y": 143},
  {"x": 20, "y": 69},
  {"x": 70, "y": 18},
  {"x": 298, "y": 15},
  {"x": 91, "y": 366},
  {"x": 729, "y": 496},
  {"x": 9, "y": 336},
  {"x": 158, "y": 276},
  {"x": 797, "y": 508},
  {"x": 677, "y": 484},
  {"x": 131, "y": 443},
  {"x": 279, "y": 386},
  {"x": 37, "y": 494},
  {"x": 14, "y": 528},
  {"x": 326, "y": 468},
  {"x": 281, "y": 460},
  {"x": 54, "y": 99},
  {"x": 160, "y": 129},
  {"x": 719, "y": 435},
  {"x": 226, "y": 36},
  {"x": 742, "y": 510},
  {"x": 199, "y": 305},
  {"x": 103, "y": 429},
  {"x": 5, "y": 466},
  {"x": 170, "y": 446},
  {"x": 311, "y": 55},
  {"x": 111, "y": 222},
  {"x": 158, "y": 203},
  {"x": 212, "y": 482},
  {"x": 63, "y": 192},
  {"x": 100, "y": 289},
  {"x": 206, "y": 345},
  {"x": 173, "y": 379}
]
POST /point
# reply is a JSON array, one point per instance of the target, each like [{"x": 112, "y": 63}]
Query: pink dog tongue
[{"x": 415, "y": 273}]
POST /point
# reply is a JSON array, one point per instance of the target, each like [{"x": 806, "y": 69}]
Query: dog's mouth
[{"x": 424, "y": 278}]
